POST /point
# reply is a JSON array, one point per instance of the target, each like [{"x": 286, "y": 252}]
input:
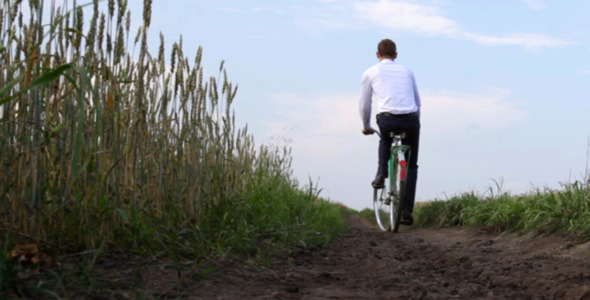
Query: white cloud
[
  {"x": 318, "y": 124},
  {"x": 428, "y": 20},
  {"x": 528, "y": 41},
  {"x": 451, "y": 112},
  {"x": 323, "y": 126},
  {"x": 585, "y": 71},
  {"x": 535, "y": 4},
  {"x": 405, "y": 17}
]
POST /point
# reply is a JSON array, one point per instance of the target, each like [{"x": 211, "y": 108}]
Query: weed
[
  {"x": 565, "y": 210},
  {"x": 110, "y": 151}
]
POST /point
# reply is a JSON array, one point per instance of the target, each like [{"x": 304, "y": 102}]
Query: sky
[{"x": 505, "y": 85}]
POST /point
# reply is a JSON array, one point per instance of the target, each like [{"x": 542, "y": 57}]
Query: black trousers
[{"x": 410, "y": 123}]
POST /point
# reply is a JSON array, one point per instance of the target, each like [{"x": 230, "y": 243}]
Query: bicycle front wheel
[{"x": 383, "y": 208}]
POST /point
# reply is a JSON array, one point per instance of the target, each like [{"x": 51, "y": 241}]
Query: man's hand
[{"x": 368, "y": 131}]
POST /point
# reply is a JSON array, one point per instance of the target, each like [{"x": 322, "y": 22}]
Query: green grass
[
  {"x": 565, "y": 210},
  {"x": 109, "y": 148},
  {"x": 369, "y": 214}
]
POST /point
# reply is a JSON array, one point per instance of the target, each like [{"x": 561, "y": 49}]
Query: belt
[{"x": 395, "y": 115}]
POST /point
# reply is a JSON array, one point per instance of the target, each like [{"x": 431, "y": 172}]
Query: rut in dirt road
[{"x": 417, "y": 264}]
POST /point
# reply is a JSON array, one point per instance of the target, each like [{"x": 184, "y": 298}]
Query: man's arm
[{"x": 365, "y": 101}]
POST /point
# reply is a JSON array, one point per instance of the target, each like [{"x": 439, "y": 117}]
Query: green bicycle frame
[{"x": 405, "y": 149}]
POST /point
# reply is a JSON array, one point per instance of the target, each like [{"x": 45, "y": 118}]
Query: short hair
[{"x": 386, "y": 47}]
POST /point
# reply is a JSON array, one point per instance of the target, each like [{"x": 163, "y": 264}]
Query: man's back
[{"x": 393, "y": 87}]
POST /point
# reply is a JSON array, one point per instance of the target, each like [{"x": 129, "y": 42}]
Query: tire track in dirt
[{"x": 421, "y": 263}]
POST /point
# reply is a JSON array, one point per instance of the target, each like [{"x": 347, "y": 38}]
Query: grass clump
[
  {"x": 108, "y": 150},
  {"x": 565, "y": 210}
]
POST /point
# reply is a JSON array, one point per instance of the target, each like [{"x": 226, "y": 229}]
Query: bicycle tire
[{"x": 383, "y": 210}]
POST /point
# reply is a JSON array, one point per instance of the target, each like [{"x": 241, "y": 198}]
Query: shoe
[
  {"x": 406, "y": 219},
  {"x": 379, "y": 182}
]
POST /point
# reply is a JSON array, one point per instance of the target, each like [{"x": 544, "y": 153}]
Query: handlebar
[{"x": 370, "y": 131}]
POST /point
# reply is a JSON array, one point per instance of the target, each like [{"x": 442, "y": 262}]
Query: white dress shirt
[{"x": 393, "y": 87}]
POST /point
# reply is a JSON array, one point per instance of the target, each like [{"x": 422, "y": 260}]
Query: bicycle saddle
[{"x": 400, "y": 132}]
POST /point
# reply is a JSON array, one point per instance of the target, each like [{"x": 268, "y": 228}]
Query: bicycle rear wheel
[
  {"x": 383, "y": 208},
  {"x": 397, "y": 183}
]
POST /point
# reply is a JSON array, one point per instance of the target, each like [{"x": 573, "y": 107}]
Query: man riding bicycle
[{"x": 394, "y": 88}]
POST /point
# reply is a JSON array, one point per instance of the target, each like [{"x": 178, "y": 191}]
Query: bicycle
[{"x": 388, "y": 201}]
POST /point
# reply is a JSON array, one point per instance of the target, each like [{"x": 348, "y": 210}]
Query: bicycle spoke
[{"x": 382, "y": 210}]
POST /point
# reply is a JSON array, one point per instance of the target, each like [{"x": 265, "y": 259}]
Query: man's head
[{"x": 386, "y": 49}]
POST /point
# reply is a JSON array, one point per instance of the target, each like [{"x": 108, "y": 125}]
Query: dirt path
[{"x": 417, "y": 264}]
